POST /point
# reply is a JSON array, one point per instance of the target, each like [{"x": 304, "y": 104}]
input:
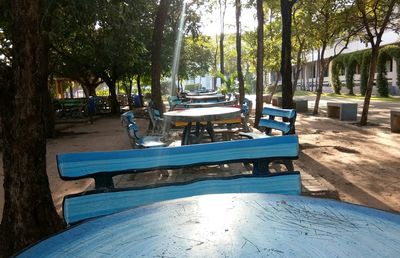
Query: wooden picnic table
[
  {"x": 232, "y": 225},
  {"x": 199, "y": 115}
]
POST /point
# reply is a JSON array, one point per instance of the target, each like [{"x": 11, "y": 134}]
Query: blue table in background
[{"x": 232, "y": 225}]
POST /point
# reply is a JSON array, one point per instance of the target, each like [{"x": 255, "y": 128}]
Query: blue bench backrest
[
  {"x": 87, "y": 164},
  {"x": 102, "y": 166},
  {"x": 270, "y": 122},
  {"x": 79, "y": 207},
  {"x": 127, "y": 118},
  {"x": 246, "y": 107}
]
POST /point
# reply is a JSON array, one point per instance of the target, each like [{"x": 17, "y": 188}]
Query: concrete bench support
[
  {"x": 343, "y": 111},
  {"x": 395, "y": 121},
  {"x": 301, "y": 105}
]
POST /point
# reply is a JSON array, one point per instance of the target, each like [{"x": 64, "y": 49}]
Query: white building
[{"x": 309, "y": 74}]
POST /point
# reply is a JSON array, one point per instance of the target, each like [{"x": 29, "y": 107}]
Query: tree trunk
[
  {"x": 222, "y": 37},
  {"x": 92, "y": 89},
  {"x": 371, "y": 77},
  {"x": 29, "y": 212},
  {"x": 71, "y": 92},
  {"x": 286, "y": 65},
  {"x": 129, "y": 95},
  {"x": 298, "y": 67},
  {"x": 239, "y": 53},
  {"x": 114, "y": 105},
  {"x": 260, "y": 62},
  {"x": 139, "y": 89},
  {"x": 161, "y": 18},
  {"x": 215, "y": 64},
  {"x": 49, "y": 115},
  {"x": 320, "y": 78}
]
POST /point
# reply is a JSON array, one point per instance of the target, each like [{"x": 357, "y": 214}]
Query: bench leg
[
  {"x": 103, "y": 181},
  {"x": 261, "y": 167},
  {"x": 186, "y": 134},
  {"x": 288, "y": 164},
  {"x": 210, "y": 131}
]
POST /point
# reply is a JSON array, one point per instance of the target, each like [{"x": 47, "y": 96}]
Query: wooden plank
[
  {"x": 287, "y": 113},
  {"x": 86, "y": 164},
  {"x": 277, "y": 125},
  {"x": 88, "y": 205}
]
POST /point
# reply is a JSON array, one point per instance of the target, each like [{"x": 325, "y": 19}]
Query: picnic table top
[
  {"x": 202, "y": 114},
  {"x": 233, "y": 225},
  {"x": 206, "y": 97}
]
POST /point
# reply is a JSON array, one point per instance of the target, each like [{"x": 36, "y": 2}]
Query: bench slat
[
  {"x": 277, "y": 125},
  {"x": 86, "y": 164},
  {"x": 287, "y": 113},
  {"x": 92, "y": 204}
]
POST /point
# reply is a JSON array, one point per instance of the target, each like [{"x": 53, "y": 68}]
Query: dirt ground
[{"x": 362, "y": 164}]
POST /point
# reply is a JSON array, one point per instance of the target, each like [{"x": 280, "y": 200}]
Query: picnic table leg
[
  {"x": 186, "y": 134},
  {"x": 210, "y": 131}
]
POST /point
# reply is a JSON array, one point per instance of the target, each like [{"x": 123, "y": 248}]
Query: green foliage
[
  {"x": 104, "y": 93},
  {"x": 351, "y": 69},
  {"x": 107, "y": 39},
  {"x": 336, "y": 83},
  {"x": 366, "y": 59},
  {"x": 381, "y": 80},
  {"x": 249, "y": 82},
  {"x": 247, "y": 89},
  {"x": 192, "y": 87},
  {"x": 196, "y": 57},
  {"x": 223, "y": 89},
  {"x": 166, "y": 87},
  {"x": 349, "y": 62},
  {"x": 386, "y": 53},
  {"x": 228, "y": 81}
]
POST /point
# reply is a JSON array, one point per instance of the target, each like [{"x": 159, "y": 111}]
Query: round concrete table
[
  {"x": 201, "y": 93},
  {"x": 232, "y": 225},
  {"x": 199, "y": 115},
  {"x": 228, "y": 103},
  {"x": 206, "y": 98}
]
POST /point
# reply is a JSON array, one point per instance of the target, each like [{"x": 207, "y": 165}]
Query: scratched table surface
[{"x": 232, "y": 225}]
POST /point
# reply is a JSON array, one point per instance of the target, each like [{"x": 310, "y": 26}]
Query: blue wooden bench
[
  {"x": 132, "y": 130},
  {"x": 269, "y": 122},
  {"x": 103, "y": 166}
]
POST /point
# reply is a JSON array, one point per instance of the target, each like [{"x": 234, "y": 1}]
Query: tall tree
[
  {"x": 29, "y": 213},
  {"x": 238, "y": 6},
  {"x": 303, "y": 38},
  {"x": 286, "y": 53},
  {"x": 332, "y": 22},
  {"x": 105, "y": 41},
  {"x": 48, "y": 107},
  {"x": 260, "y": 62},
  {"x": 375, "y": 16},
  {"x": 161, "y": 17},
  {"x": 222, "y": 10},
  {"x": 196, "y": 57}
]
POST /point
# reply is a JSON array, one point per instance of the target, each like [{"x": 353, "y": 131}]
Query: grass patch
[{"x": 359, "y": 97}]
